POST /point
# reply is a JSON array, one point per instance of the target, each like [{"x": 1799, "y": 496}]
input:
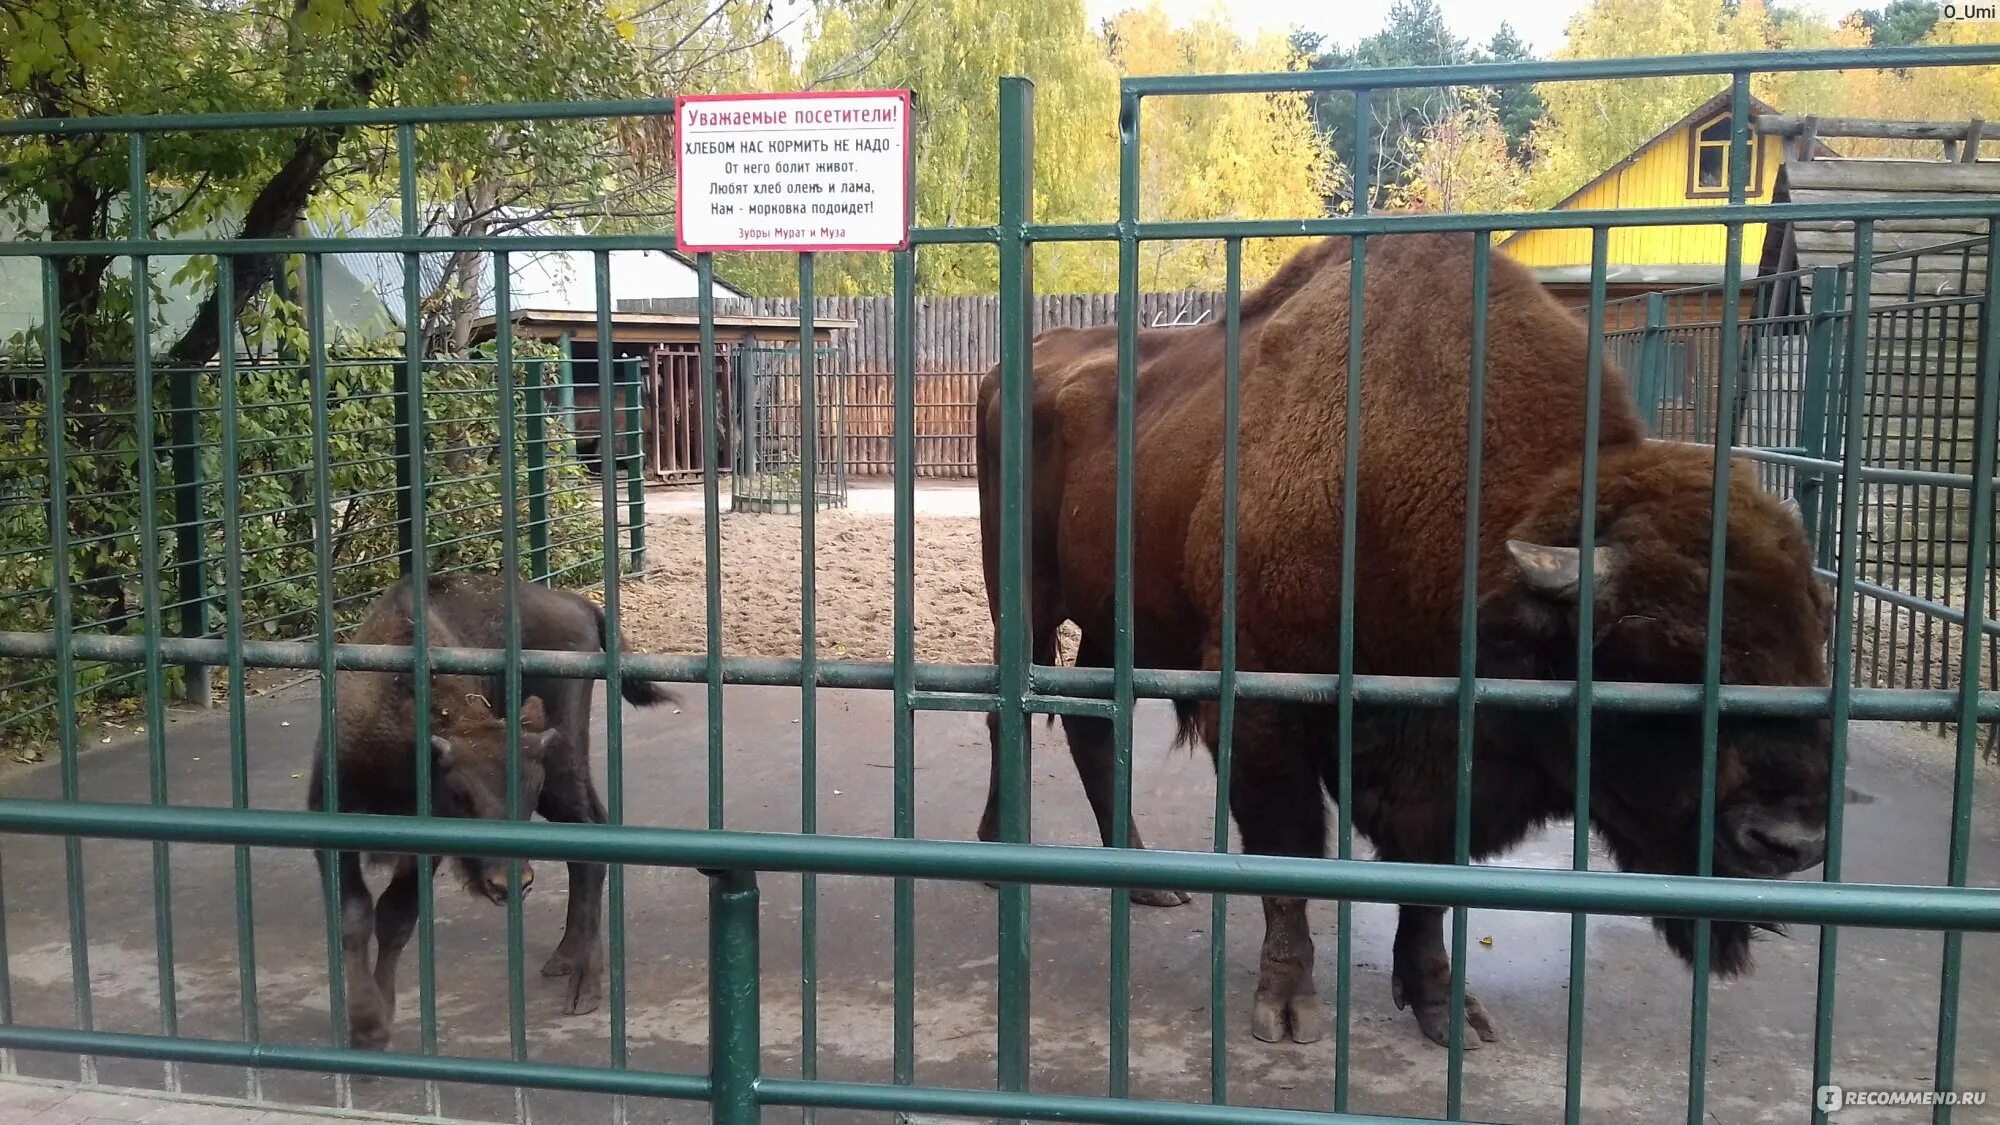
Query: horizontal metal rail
[
  {"x": 1387, "y": 78},
  {"x": 608, "y": 1080},
  {"x": 1158, "y": 231},
  {"x": 1372, "y": 880},
  {"x": 971, "y": 680}
]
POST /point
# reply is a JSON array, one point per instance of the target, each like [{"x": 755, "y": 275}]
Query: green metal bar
[
  {"x": 1891, "y": 906},
  {"x": 1729, "y": 359},
  {"x": 1498, "y": 74},
  {"x": 341, "y": 1062},
  {"x": 1122, "y": 610},
  {"x": 412, "y": 511},
  {"x": 733, "y": 1037},
  {"x": 904, "y": 971},
  {"x": 1477, "y": 74},
  {"x": 1586, "y": 633},
  {"x": 1821, "y": 343},
  {"x": 1158, "y": 231},
  {"x": 1978, "y": 563},
  {"x": 1468, "y": 661},
  {"x": 1232, "y": 413},
  {"x": 629, "y": 429},
  {"x": 537, "y": 440},
  {"x": 322, "y": 457},
  {"x": 1854, "y": 389},
  {"x": 190, "y": 545},
  {"x": 1014, "y": 653},
  {"x": 410, "y": 373},
  {"x": 151, "y": 618},
  {"x": 232, "y": 610},
  {"x": 510, "y": 679},
  {"x": 614, "y": 661},
  {"x": 980, "y": 1104},
  {"x": 63, "y": 644},
  {"x": 809, "y": 439},
  {"x": 711, "y": 528},
  {"x": 1911, "y": 704},
  {"x": 1346, "y": 687}
]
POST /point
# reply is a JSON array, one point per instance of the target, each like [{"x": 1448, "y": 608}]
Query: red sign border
[{"x": 909, "y": 172}]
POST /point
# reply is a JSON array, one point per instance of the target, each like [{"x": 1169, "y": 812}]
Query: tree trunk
[{"x": 282, "y": 201}]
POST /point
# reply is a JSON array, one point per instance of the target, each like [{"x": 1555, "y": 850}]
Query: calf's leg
[
  {"x": 367, "y": 1018},
  {"x": 395, "y": 921},
  {"x": 571, "y": 797}
]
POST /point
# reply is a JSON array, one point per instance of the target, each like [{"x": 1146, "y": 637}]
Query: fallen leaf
[{"x": 1487, "y": 940}]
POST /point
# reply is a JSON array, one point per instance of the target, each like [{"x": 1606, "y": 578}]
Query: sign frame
[{"x": 907, "y": 220}]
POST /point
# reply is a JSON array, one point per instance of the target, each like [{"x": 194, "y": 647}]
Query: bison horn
[
  {"x": 1791, "y": 506},
  {"x": 1555, "y": 572},
  {"x": 441, "y": 751}
]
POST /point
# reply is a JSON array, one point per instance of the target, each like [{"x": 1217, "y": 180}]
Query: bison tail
[
  {"x": 1188, "y": 722},
  {"x": 646, "y": 693},
  {"x": 637, "y": 691}
]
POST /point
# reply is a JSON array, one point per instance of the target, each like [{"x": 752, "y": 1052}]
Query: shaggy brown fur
[
  {"x": 1653, "y": 518},
  {"x": 375, "y": 750}
]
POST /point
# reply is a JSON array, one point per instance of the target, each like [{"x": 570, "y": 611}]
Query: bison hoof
[
  {"x": 583, "y": 994},
  {"x": 1298, "y": 1017},
  {"x": 371, "y": 1035},
  {"x": 1161, "y": 898},
  {"x": 1434, "y": 1017}
]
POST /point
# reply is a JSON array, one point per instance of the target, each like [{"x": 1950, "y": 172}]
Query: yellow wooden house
[{"x": 1685, "y": 165}]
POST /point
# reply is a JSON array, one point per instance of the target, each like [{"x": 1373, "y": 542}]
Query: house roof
[{"x": 1721, "y": 101}]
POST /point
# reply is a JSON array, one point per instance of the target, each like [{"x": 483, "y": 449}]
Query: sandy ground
[{"x": 854, "y": 599}]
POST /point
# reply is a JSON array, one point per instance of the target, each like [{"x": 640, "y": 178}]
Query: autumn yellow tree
[
  {"x": 1460, "y": 161},
  {"x": 1247, "y": 156}
]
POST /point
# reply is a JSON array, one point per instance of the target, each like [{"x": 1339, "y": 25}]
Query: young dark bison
[
  {"x": 1651, "y": 557},
  {"x": 375, "y": 736}
]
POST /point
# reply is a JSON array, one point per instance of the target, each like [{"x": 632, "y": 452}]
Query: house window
[{"x": 1708, "y": 161}]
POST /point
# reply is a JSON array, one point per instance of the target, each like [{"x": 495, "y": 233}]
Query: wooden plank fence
[{"x": 957, "y": 340}]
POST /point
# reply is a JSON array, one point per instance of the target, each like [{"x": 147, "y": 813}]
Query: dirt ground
[{"x": 854, "y": 603}]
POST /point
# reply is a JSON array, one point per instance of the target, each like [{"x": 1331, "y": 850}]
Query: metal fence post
[
  {"x": 408, "y": 391},
  {"x": 1652, "y": 360},
  {"x": 535, "y": 410},
  {"x": 1822, "y": 341},
  {"x": 190, "y": 549},
  {"x": 733, "y": 1033},
  {"x": 632, "y": 458}
]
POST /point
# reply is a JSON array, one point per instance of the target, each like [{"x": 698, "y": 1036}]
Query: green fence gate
[{"x": 735, "y": 1075}]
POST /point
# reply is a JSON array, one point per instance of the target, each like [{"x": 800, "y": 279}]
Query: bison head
[
  {"x": 469, "y": 779},
  {"x": 1650, "y": 564}
]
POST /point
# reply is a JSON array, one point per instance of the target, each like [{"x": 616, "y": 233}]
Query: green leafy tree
[
  {"x": 1900, "y": 23},
  {"x": 1414, "y": 34}
]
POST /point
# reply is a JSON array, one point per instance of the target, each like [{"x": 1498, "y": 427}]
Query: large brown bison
[{"x": 1651, "y": 557}]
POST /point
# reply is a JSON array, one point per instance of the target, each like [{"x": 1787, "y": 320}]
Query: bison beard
[{"x": 1650, "y": 563}]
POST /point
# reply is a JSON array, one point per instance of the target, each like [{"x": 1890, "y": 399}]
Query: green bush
[{"x": 279, "y": 518}]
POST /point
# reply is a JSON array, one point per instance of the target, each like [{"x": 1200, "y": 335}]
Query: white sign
[{"x": 822, "y": 171}]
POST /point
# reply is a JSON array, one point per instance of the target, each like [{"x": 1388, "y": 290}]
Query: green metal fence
[{"x": 735, "y": 1082}]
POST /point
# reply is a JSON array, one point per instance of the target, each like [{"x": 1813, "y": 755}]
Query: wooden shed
[
  {"x": 666, "y": 348},
  {"x": 1926, "y": 296}
]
